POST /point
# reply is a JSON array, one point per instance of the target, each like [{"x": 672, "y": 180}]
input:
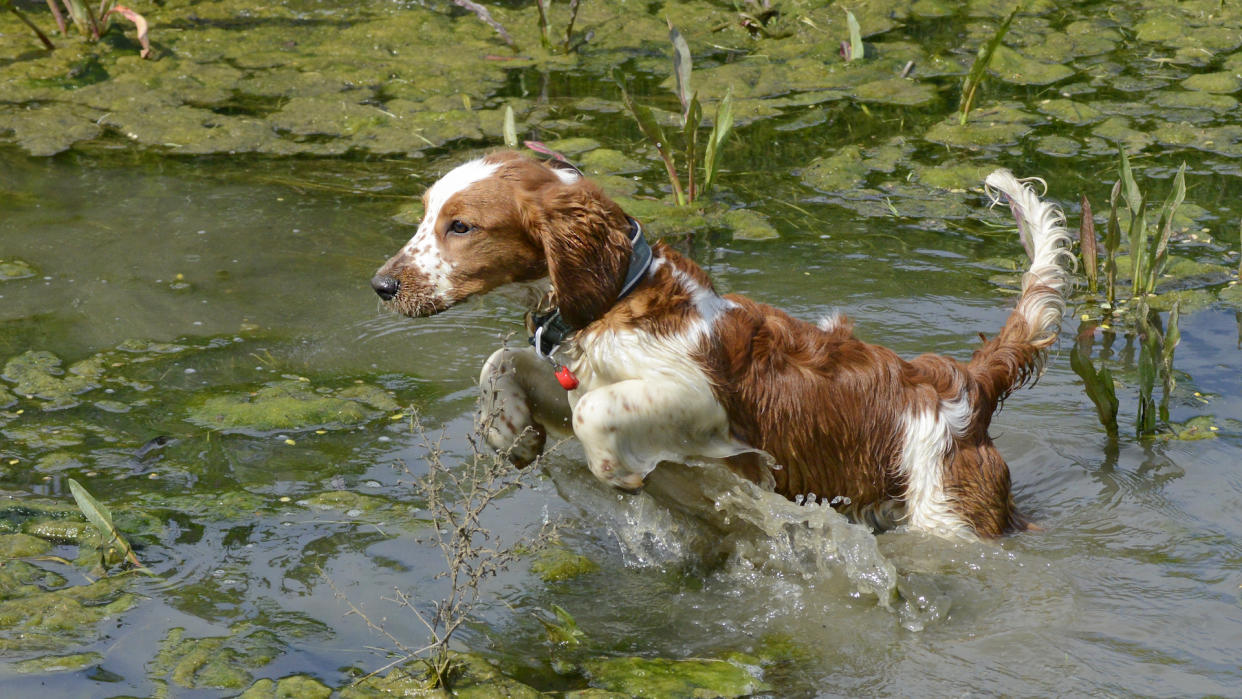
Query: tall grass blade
[
  {"x": 99, "y": 516},
  {"x": 1088, "y": 245},
  {"x": 856, "y": 48},
  {"x": 1160, "y": 254},
  {"x": 681, "y": 68},
  {"x": 715, "y": 142},
  {"x": 651, "y": 130},
  {"x": 980, "y": 67},
  {"x": 510, "y": 128}
]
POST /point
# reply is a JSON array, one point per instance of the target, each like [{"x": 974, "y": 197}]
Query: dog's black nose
[{"x": 385, "y": 286}]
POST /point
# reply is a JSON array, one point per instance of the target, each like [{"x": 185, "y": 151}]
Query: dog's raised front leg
[
  {"x": 520, "y": 400},
  {"x": 629, "y": 427}
]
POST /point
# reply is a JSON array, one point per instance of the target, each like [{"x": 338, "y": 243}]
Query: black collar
[{"x": 551, "y": 329}]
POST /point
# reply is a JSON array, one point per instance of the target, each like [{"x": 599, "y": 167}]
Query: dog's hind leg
[{"x": 520, "y": 400}]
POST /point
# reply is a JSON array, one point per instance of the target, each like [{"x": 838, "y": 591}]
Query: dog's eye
[{"x": 459, "y": 227}]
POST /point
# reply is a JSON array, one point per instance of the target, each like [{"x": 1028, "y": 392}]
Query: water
[{"x": 257, "y": 268}]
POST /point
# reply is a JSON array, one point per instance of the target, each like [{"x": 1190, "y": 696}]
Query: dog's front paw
[{"x": 504, "y": 417}]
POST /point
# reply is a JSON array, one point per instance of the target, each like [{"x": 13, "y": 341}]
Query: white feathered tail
[{"x": 1008, "y": 360}]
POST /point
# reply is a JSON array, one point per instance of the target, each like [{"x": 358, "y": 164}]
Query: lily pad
[
  {"x": 1223, "y": 82},
  {"x": 989, "y": 127},
  {"x": 1069, "y": 111},
  {"x": 606, "y": 161},
  {"x": 1058, "y": 146},
  {"x": 749, "y": 225},
  {"x": 899, "y": 91},
  {"x": 1119, "y": 131},
  {"x": 841, "y": 171},
  {"x": 1012, "y": 67}
]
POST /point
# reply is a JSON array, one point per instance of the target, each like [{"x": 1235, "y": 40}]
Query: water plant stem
[{"x": 980, "y": 66}]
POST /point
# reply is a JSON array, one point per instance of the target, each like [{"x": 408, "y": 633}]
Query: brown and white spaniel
[{"x": 666, "y": 369}]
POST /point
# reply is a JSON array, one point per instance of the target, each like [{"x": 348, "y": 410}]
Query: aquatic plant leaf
[
  {"x": 80, "y": 14},
  {"x": 510, "y": 128},
  {"x": 1099, "y": 385},
  {"x": 690, "y": 137},
  {"x": 715, "y": 142},
  {"x": 1112, "y": 242},
  {"x": 140, "y": 23},
  {"x": 102, "y": 519},
  {"x": 1160, "y": 254},
  {"x": 1172, "y": 337},
  {"x": 855, "y": 46},
  {"x": 1131, "y": 192},
  {"x": 564, "y": 631},
  {"x": 483, "y": 14},
  {"x": 980, "y": 66},
  {"x": 1149, "y": 355},
  {"x": 60, "y": 20},
  {"x": 1087, "y": 244},
  {"x": 651, "y": 130},
  {"x": 681, "y": 68}
]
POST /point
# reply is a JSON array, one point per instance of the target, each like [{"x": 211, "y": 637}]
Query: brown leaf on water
[
  {"x": 1088, "y": 244},
  {"x": 140, "y": 23}
]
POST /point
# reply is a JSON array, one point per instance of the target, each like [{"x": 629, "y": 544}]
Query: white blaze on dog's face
[{"x": 474, "y": 236}]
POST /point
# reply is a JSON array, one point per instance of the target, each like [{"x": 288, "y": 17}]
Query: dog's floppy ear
[{"x": 585, "y": 237}]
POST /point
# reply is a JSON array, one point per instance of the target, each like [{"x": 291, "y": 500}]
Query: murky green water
[{"x": 166, "y": 295}]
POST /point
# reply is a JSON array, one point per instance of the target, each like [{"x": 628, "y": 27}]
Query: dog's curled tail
[{"x": 1010, "y": 359}]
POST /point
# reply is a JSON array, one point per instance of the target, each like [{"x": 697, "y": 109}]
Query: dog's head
[{"x": 508, "y": 218}]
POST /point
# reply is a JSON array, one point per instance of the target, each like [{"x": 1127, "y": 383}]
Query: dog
[{"x": 659, "y": 367}]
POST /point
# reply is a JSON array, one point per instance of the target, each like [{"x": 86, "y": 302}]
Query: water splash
[{"x": 706, "y": 512}]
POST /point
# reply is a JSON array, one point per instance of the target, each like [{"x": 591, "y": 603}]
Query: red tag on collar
[{"x": 566, "y": 378}]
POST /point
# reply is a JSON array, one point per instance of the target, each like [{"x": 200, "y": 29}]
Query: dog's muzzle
[{"x": 386, "y": 286}]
